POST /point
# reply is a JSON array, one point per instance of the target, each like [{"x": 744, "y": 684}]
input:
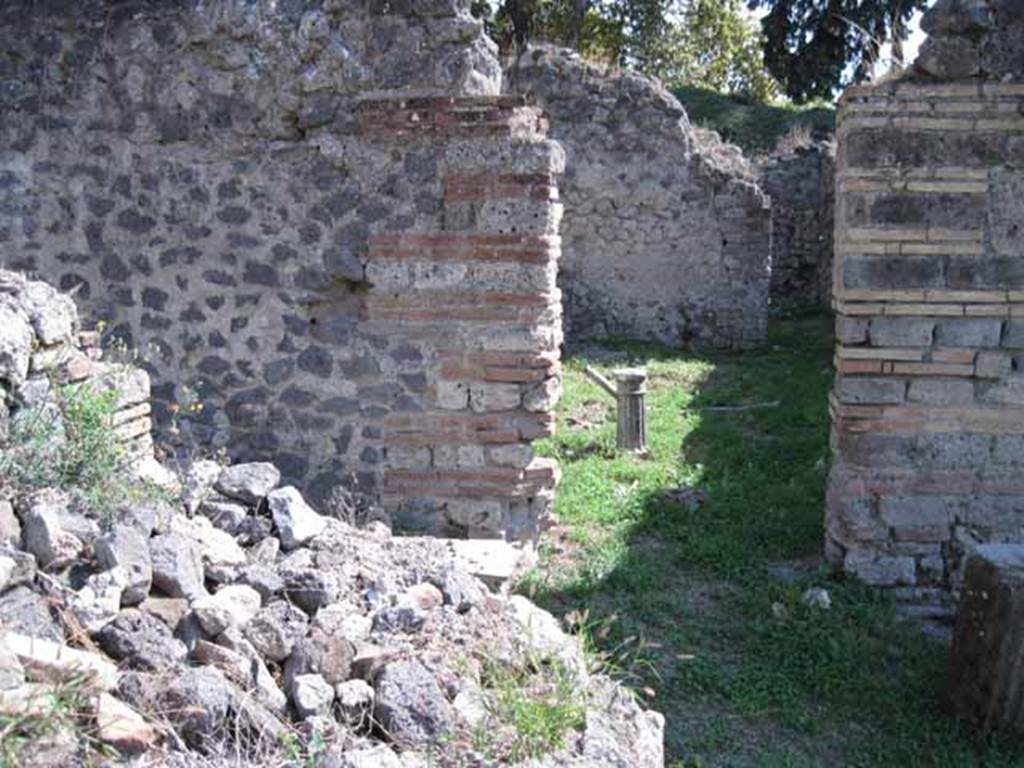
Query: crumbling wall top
[{"x": 973, "y": 39}]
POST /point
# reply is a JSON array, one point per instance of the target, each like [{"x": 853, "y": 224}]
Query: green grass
[
  {"x": 755, "y": 127},
  {"x": 684, "y": 591}
]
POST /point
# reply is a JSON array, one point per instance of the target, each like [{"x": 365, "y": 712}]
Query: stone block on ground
[
  {"x": 986, "y": 684},
  {"x": 296, "y": 521},
  {"x": 248, "y": 482}
]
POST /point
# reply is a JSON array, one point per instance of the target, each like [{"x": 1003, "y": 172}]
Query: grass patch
[
  {"x": 753, "y": 126},
  {"x": 57, "y": 717},
  {"x": 698, "y": 556},
  {"x": 531, "y": 712}
]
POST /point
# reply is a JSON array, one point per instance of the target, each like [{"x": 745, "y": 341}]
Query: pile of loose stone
[{"x": 226, "y": 616}]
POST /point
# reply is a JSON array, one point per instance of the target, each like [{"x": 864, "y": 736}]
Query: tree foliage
[
  {"x": 714, "y": 45},
  {"x": 710, "y": 43},
  {"x": 814, "y": 47}
]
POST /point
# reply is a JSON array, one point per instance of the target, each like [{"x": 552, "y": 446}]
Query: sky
[{"x": 910, "y": 47}]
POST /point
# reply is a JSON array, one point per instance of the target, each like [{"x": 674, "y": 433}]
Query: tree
[
  {"x": 714, "y": 45},
  {"x": 709, "y": 43},
  {"x": 815, "y": 47}
]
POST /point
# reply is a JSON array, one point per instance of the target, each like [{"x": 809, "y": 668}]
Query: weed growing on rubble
[
  {"x": 70, "y": 441},
  {"x": 58, "y": 714},
  {"x": 532, "y": 711}
]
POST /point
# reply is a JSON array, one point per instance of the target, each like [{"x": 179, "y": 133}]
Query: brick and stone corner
[{"x": 928, "y": 405}]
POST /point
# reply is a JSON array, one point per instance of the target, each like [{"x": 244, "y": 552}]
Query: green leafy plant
[
  {"x": 299, "y": 753},
  {"x": 69, "y": 441}
]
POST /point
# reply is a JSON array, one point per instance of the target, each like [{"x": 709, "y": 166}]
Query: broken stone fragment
[
  {"x": 248, "y": 482},
  {"x": 296, "y": 521},
  {"x": 230, "y": 606},
  {"x": 264, "y": 579},
  {"x": 50, "y": 662},
  {"x": 199, "y": 482},
  {"x": 266, "y": 551},
  {"x": 97, "y": 603},
  {"x": 12, "y": 674},
  {"x": 148, "y": 517},
  {"x": 15, "y": 343},
  {"x": 195, "y": 702},
  {"x": 619, "y": 731},
  {"x": 543, "y": 635},
  {"x": 310, "y": 588},
  {"x": 354, "y": 700},
  {"x": 225, "y": 514},
  {"x": 410, "y": 705},
  {"x": 321, "y": 653},
  {"x": 275, "y": 629},
  {"x": 311, "y": 695},
  {"x": 169, "y": 610},
  {"x": 426, "y": 596},
  {"x": 461, "y": 589},
  {"x": 234, "y": 665},
  {"x": 122, "y": 727},
  {"x": 403, "y": 616},
  {"x": 177, "y": 566},
  {"x": 43, "y": 530},
  {"x": 7, "y": 568},
  {"x": 217, "y": 548},
  {"x": 53, "y": 315},
  {"x": 471, "y": 707},
  {"x": 376, "y": 756},
  {"x": 10, "y": 528},
  {"x": 128, "y": 548},
  {"x": 29, "y": 613},
  {"x": 28, "y": 700},
  {"x": 141, "y": 641},
  {"x": 370, "y": 659},
  {"x": 24, "y": 571}
]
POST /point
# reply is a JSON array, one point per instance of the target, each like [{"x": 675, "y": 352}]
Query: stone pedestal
[
  {"x": 630, "y": 391},
  {"x": 986, "y": 684}
]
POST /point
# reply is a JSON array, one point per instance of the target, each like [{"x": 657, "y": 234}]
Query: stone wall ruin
[
  {"x": 321, "y": 217},
  {"x": 665, "y": 234},
  {"x": 801, "y": 184},
  {"x": 928, "y": 405}
]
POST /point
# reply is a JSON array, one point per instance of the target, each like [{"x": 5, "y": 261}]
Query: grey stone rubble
[
  {"x": 379, "y": 644},
  {"x": 361, "y": 629}
]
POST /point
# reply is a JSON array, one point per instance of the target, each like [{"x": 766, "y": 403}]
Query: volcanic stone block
[{"x": 986, "y": 685}]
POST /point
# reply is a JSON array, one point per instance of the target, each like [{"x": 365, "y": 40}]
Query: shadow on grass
[{"x": 702, "y": 600}]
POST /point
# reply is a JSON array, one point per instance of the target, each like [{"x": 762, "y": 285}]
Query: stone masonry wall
[
  {"x": 665, "y": 234},
  {"x": 318, "y": 216},
  {"x": 928, "y": 406},
  {"x": 801, "y": 184},
  {"x": 42, "y": 348}
]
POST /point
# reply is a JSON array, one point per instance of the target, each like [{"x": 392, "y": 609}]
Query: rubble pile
[{"x": 217, "y": 618}]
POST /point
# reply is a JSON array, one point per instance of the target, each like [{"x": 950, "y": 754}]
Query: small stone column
[
  {"x": 630, "y": 398},
  {"x": 986, "y": 685}
]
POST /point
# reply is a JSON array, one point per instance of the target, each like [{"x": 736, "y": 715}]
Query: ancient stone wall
[
  {"x": 801, "y": 184},
  {"x": 320, "y": 217},
  {"x": 928, "y": 406},
  {"x": 665, "y": 234},
  {"x": 43, "y": 350}
]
